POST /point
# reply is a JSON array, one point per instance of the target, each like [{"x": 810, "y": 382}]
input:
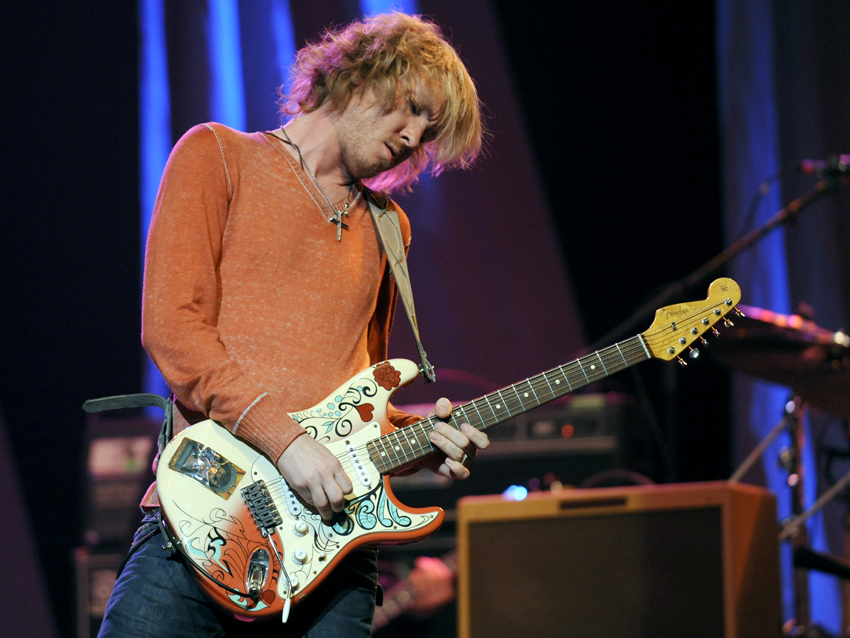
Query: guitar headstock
[{"x": 678, "y": 326}]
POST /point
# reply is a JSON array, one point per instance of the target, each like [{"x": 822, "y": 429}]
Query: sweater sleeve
[{"x": 182, "y": 288}]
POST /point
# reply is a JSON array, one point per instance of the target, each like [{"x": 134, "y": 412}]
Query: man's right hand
[{"x": 316, "y": 474}]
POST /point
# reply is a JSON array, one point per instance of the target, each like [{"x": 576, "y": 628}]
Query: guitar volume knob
[{"x": 300, "y": 528}]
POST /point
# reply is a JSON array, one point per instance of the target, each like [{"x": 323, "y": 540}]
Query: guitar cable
[{"x": 174, "y": 545}]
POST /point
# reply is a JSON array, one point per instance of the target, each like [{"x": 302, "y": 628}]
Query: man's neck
[{"x": 315, "y": 136}]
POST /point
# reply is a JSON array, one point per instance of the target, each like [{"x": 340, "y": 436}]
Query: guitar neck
[{"x": 408, "y": 445}]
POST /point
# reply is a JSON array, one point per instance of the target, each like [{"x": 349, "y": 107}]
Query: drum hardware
[{"x": 792, "y": 350}]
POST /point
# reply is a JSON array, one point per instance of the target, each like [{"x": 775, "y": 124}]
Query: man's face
[{"x": 372, "y": 140}]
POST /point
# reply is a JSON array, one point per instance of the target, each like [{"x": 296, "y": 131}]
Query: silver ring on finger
[{"x": 464, "y": 459}]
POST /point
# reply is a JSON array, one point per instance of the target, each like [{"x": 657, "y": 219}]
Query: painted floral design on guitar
[
  {"x": 370, "y": 509},
  {"x": 387, "y": 376},
  {"x": 342, "y": 414}
]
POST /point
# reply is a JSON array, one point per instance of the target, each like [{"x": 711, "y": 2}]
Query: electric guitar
[{"x": 257, "y": 548}]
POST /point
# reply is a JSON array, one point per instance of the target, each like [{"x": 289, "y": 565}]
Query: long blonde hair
[{"x": 390, "y": 54}]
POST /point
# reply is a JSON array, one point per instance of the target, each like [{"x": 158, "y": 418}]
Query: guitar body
[{"x": 203, "y": 471}]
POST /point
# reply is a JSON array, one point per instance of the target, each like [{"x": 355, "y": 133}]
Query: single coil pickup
[
  {"x": 262, "y": 507},
  {"x": 360, "y": 469}
]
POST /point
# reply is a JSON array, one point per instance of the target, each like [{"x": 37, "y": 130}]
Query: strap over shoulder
[{"x": 389, "y": 230}]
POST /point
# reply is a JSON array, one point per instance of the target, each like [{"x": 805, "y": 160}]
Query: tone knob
[
  {"x": 300, "y": 528},
  {"x": 299, "y": 556}
]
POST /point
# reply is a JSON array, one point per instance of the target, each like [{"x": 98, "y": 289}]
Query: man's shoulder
[{"x": 216, "y": 134}]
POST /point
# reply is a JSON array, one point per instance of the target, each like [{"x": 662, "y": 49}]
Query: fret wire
[
  {"x": 416, "y": 435},
  {"x": 622, "y": 356},
  {"x": 544, "y": 379},
  {"x": 507, "y": 409},
  {"x": 384, "y": 445},
  {"x": 530, "y": 385},
  {"x": 465, "y": 415},
  {"x": 602, "y": 363},
  {"x": 423, "y": 429},
  {"x": 574, "y": 365},
  {"x": 412, "y": 431},
  {"x": 486, "y": 398},
  {"x": 516, "y": 392},
  {"x": 399, "y": 446},
  {"x": 563, "y": 374},
  {"x": 545, "y": 376},
  {"x": 453, "y": 422},
  {"x": 581, "y": 367},
  {"x": 477, "y": 411},
  {"x": 407, "y": 438},
  {"x": 614, "y": 365}
]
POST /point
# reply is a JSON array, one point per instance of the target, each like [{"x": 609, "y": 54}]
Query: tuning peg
[
  {"x": 682, "y": 362},
  {"x": 739, "y": 313},
  {"x": 693, "y": 353},
  {"x": 703, "y": 341},
  {"x": 727, "y": 323},
  {"x": 715, "y": 332}
]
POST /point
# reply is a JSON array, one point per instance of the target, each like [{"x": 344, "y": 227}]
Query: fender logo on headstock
[{"x": 666, "y": 339}]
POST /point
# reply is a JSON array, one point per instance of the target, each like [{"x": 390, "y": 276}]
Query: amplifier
[
  {"x": 118, "y": 464},
  {"x": 96, "y": 574},
  {"x": 697, "y": 560}
]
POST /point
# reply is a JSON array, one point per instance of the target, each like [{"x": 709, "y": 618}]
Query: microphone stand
[{"x": 677, "y": 288}]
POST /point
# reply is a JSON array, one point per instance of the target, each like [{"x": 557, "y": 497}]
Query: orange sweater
[{"x": 252, "y": 308}]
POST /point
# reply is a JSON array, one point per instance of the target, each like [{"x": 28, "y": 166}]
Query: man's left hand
[{"x": 457, "y": 446}]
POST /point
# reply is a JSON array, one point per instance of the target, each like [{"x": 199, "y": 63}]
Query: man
[{"x": 256, "y": 306}]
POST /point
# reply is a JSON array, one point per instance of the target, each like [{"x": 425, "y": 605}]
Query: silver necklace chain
[{"x": 336, "y": 218}]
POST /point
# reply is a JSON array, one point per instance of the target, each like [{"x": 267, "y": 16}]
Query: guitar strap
[
  {"x": 141, "y": 400},
  {"x": 389, "y": 231}
]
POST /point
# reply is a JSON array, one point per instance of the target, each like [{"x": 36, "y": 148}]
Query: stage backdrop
[
  {"x": 492, "y": 293},
  {"x": 784, "y": 84}
]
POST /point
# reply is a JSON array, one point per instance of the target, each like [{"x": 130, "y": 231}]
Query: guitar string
[
  {"x": 540, "y": 389},
  {"x": 687, "y": 322},
  {"x": 653, "y": 337}
]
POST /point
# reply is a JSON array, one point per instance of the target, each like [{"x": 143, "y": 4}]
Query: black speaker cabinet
[{"x": 687, "y": 560}]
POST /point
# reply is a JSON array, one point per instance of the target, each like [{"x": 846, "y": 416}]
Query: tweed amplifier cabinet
[{"x": 691, "y": 560}]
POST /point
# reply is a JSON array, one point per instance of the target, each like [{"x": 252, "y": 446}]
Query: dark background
[{"x": 619, "y": 101}]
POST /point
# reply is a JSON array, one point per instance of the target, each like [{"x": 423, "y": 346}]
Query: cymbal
[{"x": 792, "y": 351}]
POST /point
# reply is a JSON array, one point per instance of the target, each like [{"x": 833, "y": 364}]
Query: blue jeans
[{"x": 156, "y": 596}]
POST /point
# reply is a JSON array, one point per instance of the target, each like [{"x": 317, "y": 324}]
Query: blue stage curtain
[{"x": 783, "y": 92}]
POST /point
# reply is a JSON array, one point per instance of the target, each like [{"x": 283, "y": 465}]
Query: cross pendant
[{"x": 337, "y": 219}]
